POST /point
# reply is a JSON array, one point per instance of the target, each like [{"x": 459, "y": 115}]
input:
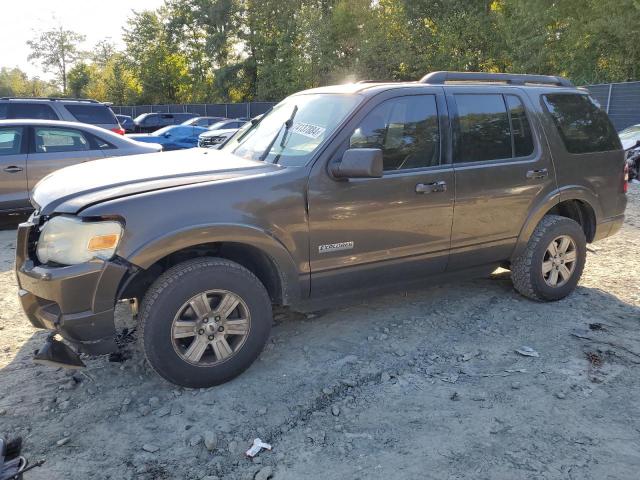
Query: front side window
[
  {"x": 292, "y": 131},
  {"x": 583, "y": 126},
  {"x": 405, "y": 129},
  {"x": 38, "y": 111},
  {"x": 54, "y": 140},
  {"x": 11, "y": 140}
]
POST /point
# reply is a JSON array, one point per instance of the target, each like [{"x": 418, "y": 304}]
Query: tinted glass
[
  {"x": 520, "y": 128},
  {"x": 54, "y": 140},
  {"x": 10, "y": 140},
  {"x": 583, "y": 126},
  {"x": 482, "y": 128},
  {"x": 32, "y": 110},
  {"x": 94, "y": 114},
  {"x": 405, "y": 129}
]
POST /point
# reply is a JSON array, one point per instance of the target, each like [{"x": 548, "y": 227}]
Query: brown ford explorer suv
[{"x": 335, "y": 190}]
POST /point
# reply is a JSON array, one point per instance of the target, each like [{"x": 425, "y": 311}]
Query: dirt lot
[{"x": 422, "y": 384}]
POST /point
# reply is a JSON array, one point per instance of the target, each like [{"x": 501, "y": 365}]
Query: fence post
[{"x": 609, "y": 97}]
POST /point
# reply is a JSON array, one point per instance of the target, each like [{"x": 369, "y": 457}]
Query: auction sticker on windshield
[{"x": 308, "y": 130}]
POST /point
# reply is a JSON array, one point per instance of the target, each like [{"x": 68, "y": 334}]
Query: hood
[{"x": 71, "y": 189}]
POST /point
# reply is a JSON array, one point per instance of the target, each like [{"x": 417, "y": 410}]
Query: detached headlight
[{"x": 69, "y": 240}]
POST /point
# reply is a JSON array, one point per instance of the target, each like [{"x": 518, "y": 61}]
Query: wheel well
[
  {"x": 579, "y": 211},
  {"x": 252, "y": 258}
]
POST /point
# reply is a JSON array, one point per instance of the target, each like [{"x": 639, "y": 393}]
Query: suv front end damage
[{"x": 75, "y": 301}]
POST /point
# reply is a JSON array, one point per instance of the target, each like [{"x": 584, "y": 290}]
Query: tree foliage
[
  {"x": 238, "y": 50},
  {"x": 56, "y": 50}
]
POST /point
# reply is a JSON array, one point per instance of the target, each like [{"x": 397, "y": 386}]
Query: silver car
[{"x": 31, "y": 149}]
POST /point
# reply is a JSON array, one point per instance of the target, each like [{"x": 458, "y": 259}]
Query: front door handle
[
  {"x": 13, "y": 169},
  {"x": 434, "y": 187},
  {"x": 540, "y": 173}
]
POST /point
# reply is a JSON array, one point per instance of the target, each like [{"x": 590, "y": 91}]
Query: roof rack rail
[
  {"x": 439, "y": 78},
  {"x": 52, "y": 99}
]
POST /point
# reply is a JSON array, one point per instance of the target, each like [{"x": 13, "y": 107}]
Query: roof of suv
[
  {"x": 52, "y": 99},
  {"x": 453, "y": 78}
]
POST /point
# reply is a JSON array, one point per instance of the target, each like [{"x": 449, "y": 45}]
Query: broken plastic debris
[
  {"x": 527, "y": 351},
  {"x": 257, "y": 446}
]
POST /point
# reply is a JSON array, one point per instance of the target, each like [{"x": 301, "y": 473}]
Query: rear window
[
  {"x": 37, "y": 111},
  {"x": 93, "y": 114},
  {"x": 583, "y": 126}
]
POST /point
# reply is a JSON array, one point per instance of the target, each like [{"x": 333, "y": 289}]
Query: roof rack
[
  {"x": 439, "y": 78},
  {"x": 52, "y": 99}
]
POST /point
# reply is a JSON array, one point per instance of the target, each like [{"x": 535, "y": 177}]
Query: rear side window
[
  {"x": 11, "y": 140},
  {"x": 405, "y": 129},
  {"x": 520, "y": 129},
  {"x": 93, "y": 114},
  {"x": 482, "y": 131},
  {"x": 38, "y": 111},
  {"x": 583, "y": 126},
  {"x": 54, "y": 140},
  {"x": 491, "y": 127}
]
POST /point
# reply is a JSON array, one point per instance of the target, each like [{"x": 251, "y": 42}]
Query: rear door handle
[
  {"x": 434, "y": 187},
  {"x": 13, "y": 169},
  {"x": 541, "y": 173}
]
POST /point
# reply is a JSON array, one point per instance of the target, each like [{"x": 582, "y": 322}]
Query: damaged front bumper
[{"x": 76, "y": 301}]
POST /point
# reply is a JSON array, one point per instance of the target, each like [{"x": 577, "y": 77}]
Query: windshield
[
  {"x": 315, "y": 118},
  {"x": 163, "y": 130},
  {"x": 218, "y": 125},
  {"x": 630, "y": 132}
]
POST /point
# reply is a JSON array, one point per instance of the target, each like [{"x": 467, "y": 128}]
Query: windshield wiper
[{"x": 286, "y": 125}]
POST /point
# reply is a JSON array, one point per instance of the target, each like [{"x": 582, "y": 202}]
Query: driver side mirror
[
  {"x": 166, "y": 135},
  {"x": 359, "y": 163}
]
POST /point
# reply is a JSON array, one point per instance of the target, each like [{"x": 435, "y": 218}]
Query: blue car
[{"x": 174, "y": 137}]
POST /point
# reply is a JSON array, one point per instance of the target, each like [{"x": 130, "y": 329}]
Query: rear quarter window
[
  {"x": 582, "y": 125},
  {"x": 93, "y": 114}
]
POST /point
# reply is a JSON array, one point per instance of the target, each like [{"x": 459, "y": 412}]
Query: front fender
[{"x": 292, "y": 281}]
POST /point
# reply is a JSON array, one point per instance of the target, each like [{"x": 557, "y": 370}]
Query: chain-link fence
[
  {"x": 227, "y": 110},
  {"x": 620, "y": 100}
]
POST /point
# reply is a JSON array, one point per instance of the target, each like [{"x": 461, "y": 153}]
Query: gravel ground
[{"x": 423, "y": 384}]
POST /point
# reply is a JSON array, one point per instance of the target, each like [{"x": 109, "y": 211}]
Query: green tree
[
  {"x": 79, "y": 78},
  {"x": 56, "y": 50}
]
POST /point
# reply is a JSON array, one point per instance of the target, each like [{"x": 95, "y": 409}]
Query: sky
[{"x": 23, "y": 19}]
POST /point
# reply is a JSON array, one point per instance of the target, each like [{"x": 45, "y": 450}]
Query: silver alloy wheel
[
  {"x": 210, "y": 327},
  {"x": 559, "y": 261}
]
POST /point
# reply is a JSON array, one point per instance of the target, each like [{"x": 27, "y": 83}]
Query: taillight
[
  {"x": 625, "y": 184},
  {"x": 118, "y": 130}
]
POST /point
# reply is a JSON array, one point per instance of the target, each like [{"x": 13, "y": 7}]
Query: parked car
[
  {"x": 216, "y": 138},
  {"x": 337, "y": 190},
  {"x": 67, "y": 109},
  {"x": 150, "y": 122},
  {"x": 203, "y": 121},
  {"x": 218, "y": 133},
  {"x": 630, "y": 136},
  {"x": 126, "y": 122},
  {"x": 175, "y": 137},
  {"x": 31, "y": 149}
]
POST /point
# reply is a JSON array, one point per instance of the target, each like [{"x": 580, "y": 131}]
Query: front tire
[
  {"x": 551, "y": 265},
  {"x": 204, "y": 321}
]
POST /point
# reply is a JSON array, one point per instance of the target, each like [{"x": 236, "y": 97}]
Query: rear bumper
[
  {"x": 609, "y": 226},
  {"x": 75, "y": 301}
]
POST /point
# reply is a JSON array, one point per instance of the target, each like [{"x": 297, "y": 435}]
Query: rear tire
[
  {"x": 551, "y": 265},
  {"x": 204, "y": 321}
]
